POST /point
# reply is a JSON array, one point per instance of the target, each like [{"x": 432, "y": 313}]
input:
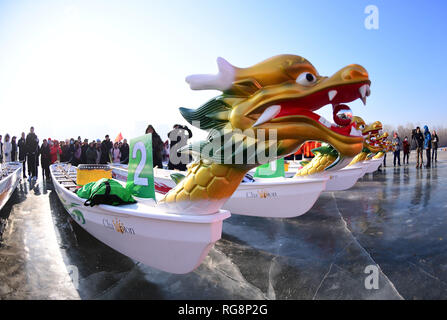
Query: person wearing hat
[
  {"x": 98, "y": 151},
  {"x": 427, "y": 145}
]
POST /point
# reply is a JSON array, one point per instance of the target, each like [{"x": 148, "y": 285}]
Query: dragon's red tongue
[{"x": 342, "y": 115}]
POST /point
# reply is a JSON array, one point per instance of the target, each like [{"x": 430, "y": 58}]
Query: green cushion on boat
[{"x": 105, "y": 191}]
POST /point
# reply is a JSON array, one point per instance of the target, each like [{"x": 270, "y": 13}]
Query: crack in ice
[{"x": 363, "y": 249}]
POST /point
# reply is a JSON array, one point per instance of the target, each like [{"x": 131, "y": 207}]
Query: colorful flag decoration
[{"x": 119, "y": 137}]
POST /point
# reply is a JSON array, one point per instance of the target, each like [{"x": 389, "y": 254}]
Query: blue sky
[{"x": 93, "y": 67}]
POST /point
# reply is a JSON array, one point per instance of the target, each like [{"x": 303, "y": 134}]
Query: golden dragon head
[
  {"x": 271, "y": 105},
  {"x": 372, "y": 137},
  {"x": 382, "y": 139}
]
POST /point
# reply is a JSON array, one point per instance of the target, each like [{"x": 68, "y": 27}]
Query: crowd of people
[
  {"x": 28, "y": 150},
  {"x": 420, "y": 141}
]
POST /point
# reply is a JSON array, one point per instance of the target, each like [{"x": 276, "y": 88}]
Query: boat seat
[
  {"x": 65, "y": 180},
  {"x": 69, "y": 184}
]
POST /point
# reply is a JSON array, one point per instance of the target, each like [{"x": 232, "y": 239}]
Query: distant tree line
[{"x": 405, "y": 131}]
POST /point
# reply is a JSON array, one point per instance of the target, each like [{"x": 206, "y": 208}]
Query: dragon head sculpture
[
  {"x": 384, "y": 145},
  {"x": 265, "y": 112},
  {"x": 371, "y": 144},
  {"x": 326, "y": 155},
  {"x": 276, "y": 97},
  {"x": 372, "y": 137},
  {"x": 381, "y": 140}
]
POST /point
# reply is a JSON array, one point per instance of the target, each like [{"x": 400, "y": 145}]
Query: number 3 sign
[{"x": 140, "y": 178}]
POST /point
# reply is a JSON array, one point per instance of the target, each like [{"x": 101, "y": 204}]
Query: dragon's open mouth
[{"x": 285, "y": 110}]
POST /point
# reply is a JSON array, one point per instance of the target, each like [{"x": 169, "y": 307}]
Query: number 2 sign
[{"x": 140, "y": 178}]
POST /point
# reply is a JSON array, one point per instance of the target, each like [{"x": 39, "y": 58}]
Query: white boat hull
[
  {"x": 362, "y": 165},
  {"x": 9, "y": 183},
  {"x": 276, "y": 197},
  {"x": 344, "y": 179},
  {"x": 373, "y": 165},
  {"x": 170, "y": 242},
  {"x": 267, "y": 197},
  {"x": 340, "y": 180}
]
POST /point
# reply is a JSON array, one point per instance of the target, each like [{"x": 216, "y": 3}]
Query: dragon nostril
[
  {"x": 358, "y": 74},
  {"x": 354, "y": 73}
]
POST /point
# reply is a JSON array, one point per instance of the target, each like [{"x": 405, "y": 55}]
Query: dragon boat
[
  {"x": 10, "y": 176},
  {"x": 370, "y": 147},
  {"x": 375, "y": 146},
  {"x": 265, "y": 112},
  {"x": 325, "y": 156},
  {"x": 261, "y": 197},
  {"x": 172, "y": 242}
]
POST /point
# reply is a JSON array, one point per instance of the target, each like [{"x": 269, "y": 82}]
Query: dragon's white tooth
[
  {"x": 355, "y": 132},
  {"x": 368, "y": 90},
  {"x": 332, "y": 94},
  {"x": 364, "y": 101},
  {"x": 362, "y": 90},
  {"x": 268, "y": 114}
]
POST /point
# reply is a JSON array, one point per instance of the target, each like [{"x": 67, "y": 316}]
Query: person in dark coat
[
  {"x": 124, "y": 152},
  {"x": 179, "y": 138},
  {"x": 84, "y": 148},
  {"x": 14, "y": 148},
  {"x": 106, "y": 146},
  {"x": 77, "y": 154},
  {"x": 65, "y": 147},
  {"x": 32, "y": 151},
  {"x": 419, "y": 138},
  {"x": 406, "y": 149},
  {"x": 22, "y": 153},
  {"x": 435, "y": 145},
  {"x": 71, "y": 150},
  {"x": 427, "y": 145},
  {"x": 157, "y": 147},
  {"x": 1, "y": 149},
  {"x": 90, "y": 154},
  {"x": 98, "y": 151},
  {"x": 45, "y": 159}
]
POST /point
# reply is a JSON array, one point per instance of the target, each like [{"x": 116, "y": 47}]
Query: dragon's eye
[
  {"x": 306, "y": 79},
  {"x": 362, "y": 126}
]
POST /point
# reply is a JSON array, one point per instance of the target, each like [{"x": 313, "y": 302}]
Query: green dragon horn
[{"x": 212, "y": 115}]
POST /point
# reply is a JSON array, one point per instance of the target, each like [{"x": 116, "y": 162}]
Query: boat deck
[{"x": 67, "y": 178}]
